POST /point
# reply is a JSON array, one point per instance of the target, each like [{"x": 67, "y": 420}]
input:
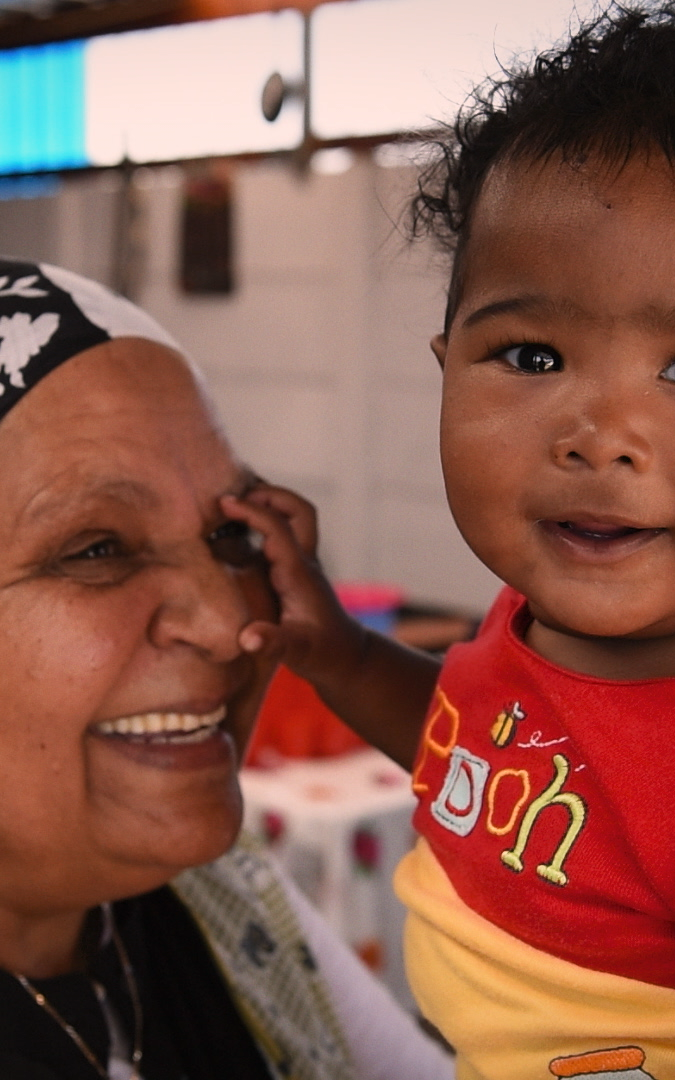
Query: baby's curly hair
[{"x": 609, "y": 89}]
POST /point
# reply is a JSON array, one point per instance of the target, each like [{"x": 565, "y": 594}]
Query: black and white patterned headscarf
[{"x": 48, "y": 315}]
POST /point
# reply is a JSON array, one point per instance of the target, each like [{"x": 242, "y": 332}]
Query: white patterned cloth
[
  {"x": 315, "y": 1011},
  {"x": 250, "y": 927}
]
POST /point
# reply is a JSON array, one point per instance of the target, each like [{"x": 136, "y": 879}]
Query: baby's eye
[
  {"x": 234, "y": 543},
  {"x": 532, "y": 358}
]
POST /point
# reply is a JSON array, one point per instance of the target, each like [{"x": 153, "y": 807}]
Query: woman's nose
[
  {"x": 604, "y": 432},
  {"x": 202, "y": 607}
]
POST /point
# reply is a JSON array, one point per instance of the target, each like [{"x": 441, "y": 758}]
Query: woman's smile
[
  {"x": 162, "y": 725},
  {"x": 208, "y": 747},
  {"x": 171, "y": 739}
]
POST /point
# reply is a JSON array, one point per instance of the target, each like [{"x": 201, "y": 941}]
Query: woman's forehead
[
  {"x": 123, "y": 421},
  {"x": 73, "y": 495},
  {"x": 108, "y": 381}
]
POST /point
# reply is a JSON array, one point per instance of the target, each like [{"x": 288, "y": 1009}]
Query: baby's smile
[
  {"x": 561, "y": 476},
  {"x": 591, "y": 539}
]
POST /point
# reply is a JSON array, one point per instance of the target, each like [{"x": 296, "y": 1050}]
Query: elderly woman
[{"x": 126, "y": 702}]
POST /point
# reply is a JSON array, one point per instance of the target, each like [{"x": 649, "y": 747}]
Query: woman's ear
[{"x": 439, "y": 347}]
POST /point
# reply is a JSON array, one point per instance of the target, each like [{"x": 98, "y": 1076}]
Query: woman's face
[{"x": 122, "y": 593}]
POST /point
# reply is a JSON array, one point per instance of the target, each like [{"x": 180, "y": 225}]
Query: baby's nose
[{"x": 606, "y": 431}]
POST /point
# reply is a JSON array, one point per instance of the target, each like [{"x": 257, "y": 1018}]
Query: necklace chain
[{"x": 132, "y": 986}]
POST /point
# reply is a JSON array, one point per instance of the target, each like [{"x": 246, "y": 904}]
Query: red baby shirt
[{"x": 547, "y": 797}]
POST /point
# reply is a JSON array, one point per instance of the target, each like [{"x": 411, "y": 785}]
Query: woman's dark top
[{"x": 192, "y": 1030}]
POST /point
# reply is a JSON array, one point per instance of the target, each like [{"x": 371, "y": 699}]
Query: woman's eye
[
  {"x": 532, "y": 358},
  {"x": 234, "y": 543},
  {"x": 669, "y": 372},
  {"x": 100, "y": 549},
  {"x": 101, "y": 561}
]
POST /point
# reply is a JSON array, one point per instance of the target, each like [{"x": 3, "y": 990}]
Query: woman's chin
[
  {"x": 199, "y": 841},
  {"x": 154, "y": 821},
  {"x": 152, "y": 865}
]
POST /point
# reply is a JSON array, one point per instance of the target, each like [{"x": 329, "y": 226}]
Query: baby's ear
[{"x": 439, "y": 347}]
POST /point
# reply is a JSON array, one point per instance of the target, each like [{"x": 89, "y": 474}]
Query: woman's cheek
[
  {"x": 68, "y": 644},
  {"x": 261, "y": 600}
]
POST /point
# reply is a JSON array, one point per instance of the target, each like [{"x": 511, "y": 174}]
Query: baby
[{"x": 541, "y": 933}]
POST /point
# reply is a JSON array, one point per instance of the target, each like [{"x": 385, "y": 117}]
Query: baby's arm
[{"x": 379, "y": 687}]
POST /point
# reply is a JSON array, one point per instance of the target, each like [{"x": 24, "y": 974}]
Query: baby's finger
[
  {"x": 288, "y": 644},
  {"x": 263, "y": 639},
  {"x": 280, "y": 538},
  {"x": 299, "y": 513},
  {"x": 290, "y": 570}
]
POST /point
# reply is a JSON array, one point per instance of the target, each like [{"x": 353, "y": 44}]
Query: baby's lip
[
  {"x": 591, "y": 536},
  {"x": 603, "y": 530},
  {"x": 587, "y": 521}
]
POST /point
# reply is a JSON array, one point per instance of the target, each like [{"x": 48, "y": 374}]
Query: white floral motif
[
  {"x": 23, "y": 286},
  {"x": 23, "y": 337}
]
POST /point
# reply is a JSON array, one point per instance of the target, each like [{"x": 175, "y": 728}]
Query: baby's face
[{"x": 558, "y": 418}]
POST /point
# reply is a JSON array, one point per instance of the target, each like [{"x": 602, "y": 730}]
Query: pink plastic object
[
  {"x": 372, "y": 603},
  {"x": 294, "y": 723}
]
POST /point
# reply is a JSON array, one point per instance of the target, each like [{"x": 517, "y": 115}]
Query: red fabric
[
  {"x": 596, "y": 759},
  {"x": 295, "y": 723}
]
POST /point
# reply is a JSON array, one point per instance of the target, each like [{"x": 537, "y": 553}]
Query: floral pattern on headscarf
[{"x": 48, "y": 315}]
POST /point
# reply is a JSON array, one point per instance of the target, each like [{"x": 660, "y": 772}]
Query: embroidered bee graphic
[{"x": 504, "y": 728}]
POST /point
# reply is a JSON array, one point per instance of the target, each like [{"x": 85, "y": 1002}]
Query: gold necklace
[{"x": 132, "y": 987}]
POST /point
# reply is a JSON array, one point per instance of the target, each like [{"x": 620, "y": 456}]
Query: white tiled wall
[{"x": 319, "y": 361}]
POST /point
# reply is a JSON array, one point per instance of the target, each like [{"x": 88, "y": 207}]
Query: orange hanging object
[
  {"x": 295, "y": 723},
  {"x": 217, "y": 9}
]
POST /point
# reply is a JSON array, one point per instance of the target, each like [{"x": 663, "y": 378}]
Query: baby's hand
[
  {"x": 380, "y": 688},
  {"x": 314, "y": 635}
]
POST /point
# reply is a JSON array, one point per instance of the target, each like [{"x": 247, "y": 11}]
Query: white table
[{"x": 339, "y": 826}]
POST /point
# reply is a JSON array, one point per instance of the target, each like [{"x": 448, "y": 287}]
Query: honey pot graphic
[{"x": 619, "y": 1063}]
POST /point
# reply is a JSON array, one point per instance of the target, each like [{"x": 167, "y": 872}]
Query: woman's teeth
[{"x": 162, "y": 726}]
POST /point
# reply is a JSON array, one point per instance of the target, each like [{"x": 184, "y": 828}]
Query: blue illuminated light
[{"x": 42, "y": 108}]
